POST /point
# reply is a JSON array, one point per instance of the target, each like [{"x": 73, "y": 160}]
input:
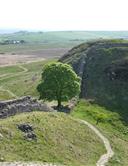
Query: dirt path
[
  {"x": 8, "y": 91},
  {"x": 24, "y": 69},
  {"x": 105, "y": 157},
  {"x": 10, "y": 76},
  {"x": 16, "y": 74}
]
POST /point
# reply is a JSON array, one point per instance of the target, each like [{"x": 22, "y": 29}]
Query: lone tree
[{"x": 59, "y": 82}]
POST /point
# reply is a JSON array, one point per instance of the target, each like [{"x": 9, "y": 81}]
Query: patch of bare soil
[{"x": 12, "y": 59}]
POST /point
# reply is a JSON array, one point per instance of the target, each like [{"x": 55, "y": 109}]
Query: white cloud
[{"x": 64, "y": 14}]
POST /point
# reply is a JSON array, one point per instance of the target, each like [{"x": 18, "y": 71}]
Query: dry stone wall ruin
[{"x": 21, "y": 105}]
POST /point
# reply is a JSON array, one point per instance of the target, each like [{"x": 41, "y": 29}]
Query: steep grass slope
[
  {"x": 59, "y": 139},
  {"x": 103, "y": 67},
  {"x": 110, "y": 124}
]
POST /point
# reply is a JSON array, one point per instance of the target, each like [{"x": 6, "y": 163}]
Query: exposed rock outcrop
[
  {"x": 24, "y": 104},
  {"x": 118, "y": 71},
  {"x": 92, "y": 55}
]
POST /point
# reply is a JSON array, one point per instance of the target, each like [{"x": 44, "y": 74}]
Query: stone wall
[{"x": 24, "y": 104}]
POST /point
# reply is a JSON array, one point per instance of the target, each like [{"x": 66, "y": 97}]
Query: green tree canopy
[{"x": 59, "y": 82}]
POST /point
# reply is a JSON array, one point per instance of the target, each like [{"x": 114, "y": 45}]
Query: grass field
[
  {"x": 60, "y": 139},
  {"x": 20, "y": 81}
]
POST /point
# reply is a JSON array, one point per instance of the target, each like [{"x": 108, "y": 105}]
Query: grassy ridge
[
  {"x": 59, "y": 140},
  {"x": 105, "y": 59}
]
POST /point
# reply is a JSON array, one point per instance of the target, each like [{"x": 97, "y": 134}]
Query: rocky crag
[
  {"x": 103, "y": 68},
  {"x": 21, "y": 105},
  {"x": 80, "y": 55}
]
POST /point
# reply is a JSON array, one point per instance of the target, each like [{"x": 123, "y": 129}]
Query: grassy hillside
[
  {"x": 110, "y": 124},
  {"x": 39, "y": 40},
  {"x": 104, "y": 84},
  {"x": 59, "y": 140}
]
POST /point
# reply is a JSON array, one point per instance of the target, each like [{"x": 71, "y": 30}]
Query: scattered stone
[
  {"x": 30, "y": 136},
  {"x": 34, "y": 77},
  {"x": 28, "y": 130},
  {"x": 25, "y": 127}
]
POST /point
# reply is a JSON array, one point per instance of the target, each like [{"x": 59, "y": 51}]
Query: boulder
[
  {"x": 25, "y": 127},
  {"x": 30, "y": 136}
]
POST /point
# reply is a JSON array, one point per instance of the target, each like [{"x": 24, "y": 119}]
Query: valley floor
[{"x": 36, "y": 55}]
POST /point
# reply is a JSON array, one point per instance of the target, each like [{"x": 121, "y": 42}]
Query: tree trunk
[
  {"x": 59, "y": 98},
  {"x": 59, "y": 103}
]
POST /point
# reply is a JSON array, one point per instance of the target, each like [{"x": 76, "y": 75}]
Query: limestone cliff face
[{"x": 103, "y": 67}]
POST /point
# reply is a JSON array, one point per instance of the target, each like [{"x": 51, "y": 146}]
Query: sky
[{"x": 64, "y": 14}]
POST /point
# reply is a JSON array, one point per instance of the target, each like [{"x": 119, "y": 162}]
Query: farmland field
[{"x": 9, "y": 59}]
